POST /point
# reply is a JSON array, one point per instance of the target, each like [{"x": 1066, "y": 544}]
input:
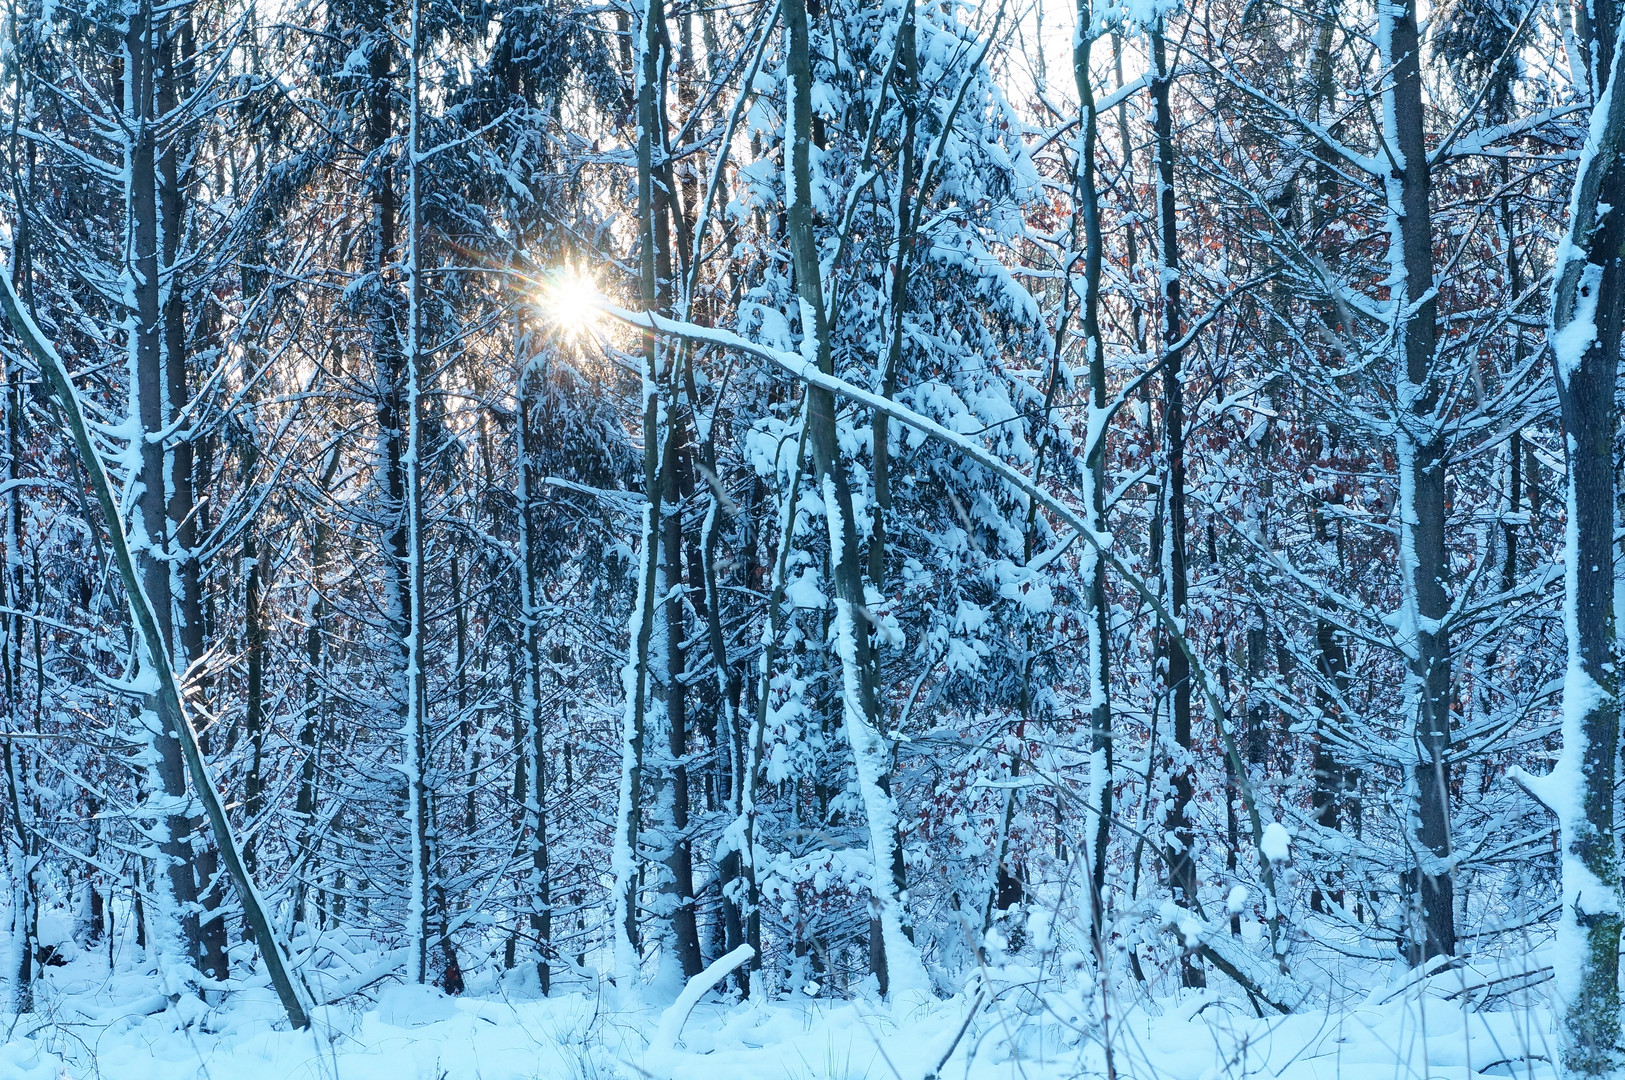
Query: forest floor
[{"x": 1027, "y": 1025}]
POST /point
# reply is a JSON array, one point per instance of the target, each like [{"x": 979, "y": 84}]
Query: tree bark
[
  {"x": 639, "y": 687},
  {"x": 863, "y": 720},
  {"x": 677, "y": 889},
  {"x": 411, "y": 574},
  {"x": 176, "y": 937},
  {"x": 1101, "y": 746},
  {"x": 1588, "y": 303},
  {"x": 530, "y": 782},
  {"x": 1181, "y": 850},
  {"x": 22, "y": 860},
  {"x": 1429, "y": 885}
]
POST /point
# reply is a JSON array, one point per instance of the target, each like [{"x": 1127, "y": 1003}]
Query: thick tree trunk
[
  {"x": 1588, "y": 303},
  {"x": 176, "y": 934},
  {"x": 173, "y": 48}
]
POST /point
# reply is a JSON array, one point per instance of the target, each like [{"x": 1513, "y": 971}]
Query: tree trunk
[
  {"x": 1428, "y": 886},
  {"x": 414, "y": 614},
  {"x": 640, "y": 689},
  {"x": 677, "y": 888},
  {"x": 907, "y": 216},
  {"x": 771, "y": 625},
  {"x": 175, "y": 930},
  {"x": 1102, "y": 751},
  {"x": 1180, "y": 853},
  {"x": 531, "y": 782},
  {"x": 254, "y": 694},
  {"x": 22, "y": 861},
  {"x": 861, "y": 706},
  {"x": 313, "y": 719},
  {"x": 1588, "y": 301},
  {"x": 149, "y": 638}
]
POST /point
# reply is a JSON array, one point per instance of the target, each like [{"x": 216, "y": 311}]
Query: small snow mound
[
  {"x": 414, "y": 1005},
  {"x": 25, "y": 1061}
]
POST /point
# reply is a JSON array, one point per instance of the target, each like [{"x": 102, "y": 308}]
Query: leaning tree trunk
[{"x": 294, "y": 996}]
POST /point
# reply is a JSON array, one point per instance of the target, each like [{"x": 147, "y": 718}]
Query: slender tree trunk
[
  {"x": 726, "y": 715},
  {"x": 415, "y": 722},
  {"x": 771, "y": 625},
  {"x": 1332, "y": 780},
  {"x": 906, "y": 213},
  {"x": 254, "y": 692},
  {"x": 861, "y": 706},
  {"x": 313, "y": 719},
  {"x": 1131, "y": 246},
  {"x": 531, "y": 782},
  {"x": 1514, "y": 285},
  {"x": 1428, "y": 886},
  {"x": 635, "y": 675},
  {"x": 22, "y": 860},
  {"x": 677, "y": 899},
  {"x": 1102, "y": 751},
  {"x": 1181, "y": 849}
]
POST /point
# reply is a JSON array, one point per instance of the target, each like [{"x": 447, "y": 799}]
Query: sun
[{"x": 570, "y": 299}]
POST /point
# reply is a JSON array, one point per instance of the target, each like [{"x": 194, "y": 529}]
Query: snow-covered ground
[{"x": 1018, "y": 1022}]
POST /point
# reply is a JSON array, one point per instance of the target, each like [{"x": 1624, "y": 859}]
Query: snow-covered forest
[{"x": 823, "y": 538}]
